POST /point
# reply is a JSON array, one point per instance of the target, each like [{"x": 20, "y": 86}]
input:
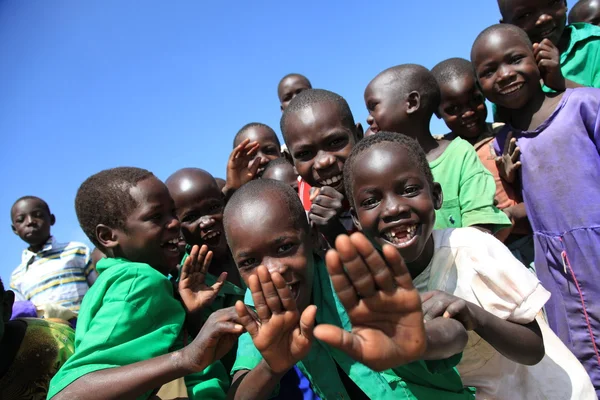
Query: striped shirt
[{"x": 56, "y": 275}]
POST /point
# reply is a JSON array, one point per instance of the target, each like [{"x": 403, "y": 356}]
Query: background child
[
  {"x": 289, "y": 86},
  {"x": 31, "y": 351},
  {"x": 269, "y": 147},
  {"x": 394, "y": 196},
  {"x": 50, "y": 273},
  {"x": 567, "y": 242},
  {"x": 281, "y": 170},
  {"x": 587, "y": 11},
  {"x": 276, "y": 260},
  {"x": 403, "y": 99},
  {"x": 130, "y": 320}
]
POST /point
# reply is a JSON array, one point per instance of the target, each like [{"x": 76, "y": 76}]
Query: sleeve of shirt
[
  {"x": 247, "y": 356},
  {"x": 88, "y": 266},
  {"x": 16, "y": 289},
  {"x": 476, "y": 196},
  {"x": 212, "y": 383},
  {"x": 127, "y": 326}
]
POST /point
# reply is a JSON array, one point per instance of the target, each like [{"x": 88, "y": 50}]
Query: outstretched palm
[
  {"x": 241, "y": 168},
  {"x": 382, "y": 304}
]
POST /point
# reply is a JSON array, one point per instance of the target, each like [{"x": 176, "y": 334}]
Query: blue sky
[{"x": 89, "y": 85}]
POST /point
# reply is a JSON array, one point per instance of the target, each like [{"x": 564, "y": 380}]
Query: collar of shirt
[{"x": 28, "y": 255}]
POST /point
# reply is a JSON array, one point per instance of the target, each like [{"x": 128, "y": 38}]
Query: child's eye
[
  {"x": 411, "y": 190},
  {"x": 337, "y": 142},
  {"x": 189, "y": 218},
  {"x": 371, "y": 106},
  {"x": 270, "y": 150},
  {"x": 369, "y": 203},
  {"x": 452, "y": 110},
  {"x": 302, "y": 155},
  {"x": 247, "y": 264},
  {"x": 284, "y": 248},
  {"x": 516, "y": 59}
]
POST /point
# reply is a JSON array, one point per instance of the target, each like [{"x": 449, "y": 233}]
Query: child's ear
[
  {"x": 108, "y": 237},
  {"x": 438, "y": 196},
  {"x": 359, "y": 132},
  {"x": 355, "y": 219},
  {"x": 7, "y": 305},
  {"x": 52, "y": 219},
  {"x": 413, "y": 102}
]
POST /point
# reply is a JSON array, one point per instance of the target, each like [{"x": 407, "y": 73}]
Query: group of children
[{"x": 387, "y": 264}]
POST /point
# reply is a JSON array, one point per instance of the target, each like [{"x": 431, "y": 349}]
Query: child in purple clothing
[{"x": 559, "y": 138}]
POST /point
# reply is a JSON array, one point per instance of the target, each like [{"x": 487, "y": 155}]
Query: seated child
[
  {"x": 403, "y": 99},
  {"x": 50, "y": 273},
  {"x": 319, "y": 131},
  {"x": 559, "y": 138},
  {"x": 587, "y": 11},
  {"x": 130, "y": 324},
  {"x": 31, "y": 351},
  {"x": 463, "y": 109},
  {"x": 289, "y": 86},
  {"x": 269, "y": 147},
  {"x": 281, "y": 170},
  {"x": 292, "y": 292},
  {"x": 478, "y": 281}
]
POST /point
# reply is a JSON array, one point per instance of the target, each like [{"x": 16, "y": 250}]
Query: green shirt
[
  {"x": 468, "y": 189},
  {"x": 418, "y": 380},
  {"x": 130, "y": 315}
]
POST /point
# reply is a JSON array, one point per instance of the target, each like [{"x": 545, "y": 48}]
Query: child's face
[
  {"x": 151, "y": 230},
  {"x": 385, "y": 105},
  {"x": 589, "y": 13},
  {"x": 269, "y": 145},
  {"x": 261, "y": 233},
  {"x": 199, "y": 207},
  {"x": 393, "y": 202},
  {"x": 31, "y": 221},
  {"x": 506, "y": 69},
  {"x": 541, "y": 19},
  {"x": 289, "y": 88},
  {"x": 284, "y": 173},
  {"x": 320, "y": 143},
  {"x": 463, "y": 107}
]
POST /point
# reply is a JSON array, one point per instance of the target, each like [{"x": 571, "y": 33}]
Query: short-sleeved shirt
[
  {"x": 130, "y": 315},
  {"x": 417, "y": 380},
  {"x": 57, "y": 275},
  {"x": 480, "y": 269},
  {"x": 468, "y": 189}
]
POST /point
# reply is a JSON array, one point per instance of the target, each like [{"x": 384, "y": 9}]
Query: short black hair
[
  {"x": 414, "y": 150},
  {"x": 292, "y": 75},
  {"x": 309, "y": 97},
  {"x": 278, "y": 161},
  {"x": 575, "y": 15},
  {"x": 237, "y": 139},
  {"x": 257, "y": 190},
  {"x": 104, "y": 198},
  {"x": 452, "y": 69},
  {"x": 2, "y": 290},
  {"x": 520, "y": 33},
  {"x": 44, "y": 204}
]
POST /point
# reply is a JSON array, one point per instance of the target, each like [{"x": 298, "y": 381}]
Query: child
[
  {"x": 292, "y": 290},
  {"x": 576, "y": 47},
  {"x": 559, "y": 190},
  {"x": 319, "y": 131},
  {"x": 130, "y": 322},
  {"x": 463, "y": 109},
  {"x": 393, "y": 197},
  {"x": 289, "y": 86},
  {"x": 31, "y": 351},
  {"x": 587, "y": 11},
  {"x": 269, "y": 147},
  {"x": 281, "y": 170},
  {"x": 403, "y": 99},
  {"x": 50, "y": 273}
]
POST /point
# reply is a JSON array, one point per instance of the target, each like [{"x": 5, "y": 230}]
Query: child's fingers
[
  {"x": 269, "y": 291},
  {"x": 327, "y": 202},
  {"x": 201, "y": 265},
  {"x": 246, "y": 319},
  {"x": 516, "y": 155},
  {"x": 380, "y": 271},
  {"x": 396, "y": 262},
  {"x": 216, "y": 287},
  {"x": 252, "y": 149},
  {"x": 505, "y": 150},
  {"x": 455, "y": 308},
  {"x": 253, "y": 168},
  {"x": 340, "y": 339},
  {"x": 314, "y": 192},
  {"x": 284, "y": 292},
  {"x": 307, "y": 321},
  {"x": 227, "y": 327},
  {"x": 356, "y": 268},
  {"x": 433, "y": 308},
  {"x": 262, "y": 309},
  {"x": 189, "y": 264},
  {"x": 344, "y": 289}
]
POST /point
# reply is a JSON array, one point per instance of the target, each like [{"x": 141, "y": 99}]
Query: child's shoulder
[
  {"x": 466, "y": 237},
  {"x": 584, "y": 32},
  {"x": 118, "y": 271}
]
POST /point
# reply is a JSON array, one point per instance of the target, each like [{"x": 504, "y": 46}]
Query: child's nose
[
  {"x": 173, "y": 224},
  {"x": 206, "y": 221},
  {"x": 544, "y": 18},
  {"x": 275, "y": 265},
  {"x": 370, "y": 120},
  {"x": 394, "y": 209},
  {"x": 324, "y": 160},
  {"x": 468, "y": 113}
]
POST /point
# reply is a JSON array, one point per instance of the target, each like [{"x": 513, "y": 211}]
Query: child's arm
[
  {"x": 547, "y": 57},
  {"x": 519, "y": 343},
  {"x": 516, "y": 213},
  {"x": 445, "y": 338},
  {"x": 324, "y": 211},
  {"x": 281, "y": 334},
  {"x": 387, "y": 320},
  {"x": 240, "y": 168},
  {"x": 131, "y": 381}
]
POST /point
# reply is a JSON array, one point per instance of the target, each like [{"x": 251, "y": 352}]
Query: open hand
[
  {"x": 442, "y": 304},
  {"x": 278, "y": 331},
  {"x": 547, "y": 57},
  {"x": 241, "y": 168},
  {"x": 381, "y": 301},
  {"x": 508, "y": 163}
]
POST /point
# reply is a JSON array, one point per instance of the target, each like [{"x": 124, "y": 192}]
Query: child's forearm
[
  {"x": 128, "y": 382},
  {"x": 445, "y": 338},
  {"x": 520, "y": 343},
  {"x": 517, "y": 212},
  {"x": 258, "y": 383}
]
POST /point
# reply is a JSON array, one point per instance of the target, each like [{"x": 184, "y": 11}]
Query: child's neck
[
  {"x": 422, "y": 262},
  {"x": 36, "y": 248},
  {"x": 535, "y": 112},
  {"x": 433, "y": 148}
]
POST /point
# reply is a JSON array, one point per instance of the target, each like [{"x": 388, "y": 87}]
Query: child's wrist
[
  {"x": 183, "y": 362},
  {"x": 274, "y": 373}
]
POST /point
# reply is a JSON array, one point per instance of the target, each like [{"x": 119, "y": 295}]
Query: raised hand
[
  {"x": 241, "y": 168},
  {"x": 278, "y": 331},
  {"x": 508, "y": 163},
  {"x": 381, "y": 301},
  {"x": 547, "y": 57},
  {"x": 326, "y": 206},
  {"x": 195, "y": 294},
  {"x": 442, "y": 304}
]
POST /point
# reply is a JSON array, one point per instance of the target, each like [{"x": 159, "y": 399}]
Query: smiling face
[
  {"x": 386, "y": 106},
  {"x": 199, "y": 207},
  {"x": 262, "y": 232},
  {"x": 320, "y": 143},
  {"x": 289, "y": 87},
  {"x": 151, "y": 231},
  {"x": 269, "y": 147},
  {"x": 31, "y": 221},
  {"x": 463, "y": 107},
  {"x": 394, "y": 203},
  {"x": 541, "y": 19},
  {"x": 506, "y": 69}
]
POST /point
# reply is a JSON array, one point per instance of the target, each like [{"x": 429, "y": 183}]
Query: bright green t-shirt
[
  {"x": 418, "y": 380},
  {"x": 130, "y": 315},
  {"x": 468, "y": 189}
]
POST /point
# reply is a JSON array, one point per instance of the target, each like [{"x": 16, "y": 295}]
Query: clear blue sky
[{"x": 89, "y": 85}]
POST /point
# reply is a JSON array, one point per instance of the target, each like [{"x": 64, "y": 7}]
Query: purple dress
[{"x": 561, "y": 188}]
